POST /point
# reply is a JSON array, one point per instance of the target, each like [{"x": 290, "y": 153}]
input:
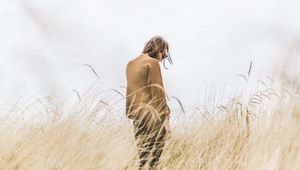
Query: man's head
[{"x": 157, "y": 48}]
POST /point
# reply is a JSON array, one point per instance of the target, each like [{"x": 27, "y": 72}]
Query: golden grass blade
[
  {"x": 250, "y": 68},
  {"x": 77, "y": 94},
  {"x": 93, "y": 70},
  {"x": 118, "y": 93},
  {"x": 181, "y": 106},
  {"x": 244, "y": 77}
]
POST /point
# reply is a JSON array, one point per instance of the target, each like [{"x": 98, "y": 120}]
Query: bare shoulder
[
  {"x": 151, "y": 61},
  {"x": 145, "y": 61}
]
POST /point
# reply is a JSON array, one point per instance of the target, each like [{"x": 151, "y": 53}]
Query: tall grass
[{"x": 261, "y": 132}]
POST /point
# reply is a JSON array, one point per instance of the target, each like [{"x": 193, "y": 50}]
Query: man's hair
[{"x": 155, "y": 45}]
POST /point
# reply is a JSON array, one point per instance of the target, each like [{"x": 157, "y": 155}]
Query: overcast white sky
[{"x": 43, "y": 44}]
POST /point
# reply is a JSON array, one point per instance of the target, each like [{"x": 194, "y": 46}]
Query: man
[{"x": 146, "y": 101}]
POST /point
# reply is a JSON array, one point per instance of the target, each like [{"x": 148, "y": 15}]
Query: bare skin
[{"x": 167, "y": 127}]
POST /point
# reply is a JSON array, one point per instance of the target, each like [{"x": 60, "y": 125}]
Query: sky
[{"x": 45, "y": 44}]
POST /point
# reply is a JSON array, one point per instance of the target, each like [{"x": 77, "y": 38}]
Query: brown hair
[{"x": 155, "y": 45}]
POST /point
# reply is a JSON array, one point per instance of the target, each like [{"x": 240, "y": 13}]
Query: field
[{"x": 256, "y": 131}]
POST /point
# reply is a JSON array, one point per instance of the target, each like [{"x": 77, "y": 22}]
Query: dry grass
[{"x": 261, "y": 132}]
